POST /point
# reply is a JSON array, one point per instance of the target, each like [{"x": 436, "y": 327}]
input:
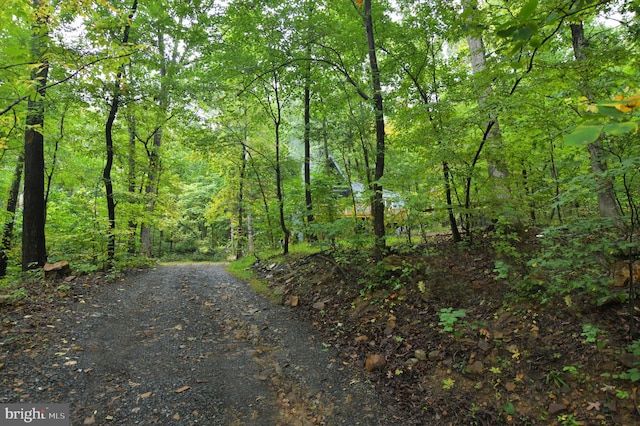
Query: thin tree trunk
[
  {"x": 106, "y": 174},
  {"x": 307, "y": 146},
  {"x": 34, "y": 251},
  {"x": 131, "y": 177},
  {"x": 12, "y": 203},
  {"x": 154, "y": 155},
  {"x": 279, "y": 192},
  {"x": 377, "y": 205},
  {"x": 243, "y": 167}
]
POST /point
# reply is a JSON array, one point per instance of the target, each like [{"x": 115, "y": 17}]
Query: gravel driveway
[{"x": 181, "y": 345}]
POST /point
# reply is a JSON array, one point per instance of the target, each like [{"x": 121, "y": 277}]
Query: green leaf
[
  {"x": 583, "y": 134},
  {"x": 507, "y": 32},
  {"x": 523, "y": 33},
  {"x": 610, "y": 111},
  {"x": 528, "y": 9},
  {"x": 615, "y": 128}
]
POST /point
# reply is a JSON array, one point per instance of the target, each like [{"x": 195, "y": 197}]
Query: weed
[
  {"x": 555, "y": 377},
  {"x": 632, "y": 374},
  {"x": 448, "y": 383},
  {"x": 590, "y": 333},
  {"x": 622, "y": 394},
  {"x": 568, "y": 420},
  {"x": 449, "y": 317}
]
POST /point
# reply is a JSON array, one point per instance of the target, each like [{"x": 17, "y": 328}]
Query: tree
[
  {"x": 34, "y": 250},
  {"x": 106, "y": 175},
  {"x": 607, "y": 203}
]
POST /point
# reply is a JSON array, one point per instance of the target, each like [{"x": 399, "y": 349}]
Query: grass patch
[{"x": 241, "y": 269}]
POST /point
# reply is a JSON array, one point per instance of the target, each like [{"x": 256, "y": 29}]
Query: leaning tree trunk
[
  {"x": 607, "y": 205},
  {"x": 12, "y": 203},
  {"x": 34, "y": 251}
]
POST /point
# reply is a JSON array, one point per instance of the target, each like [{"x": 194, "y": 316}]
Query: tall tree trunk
[
  {"x": 154, "y": 155},
  {"x": 240, "y": 249},
  {"x": 12, "y": 203},
  {"x": 607, "y": 205},
  {"x": 307, "y": 145},
  {"x": 453, "y": 224},
  {"x": 34, "y": 251},
  {"x": 131, "y": 178},
  {"x": 279, "y": 192},
  {"x": 496, "y": 169},
  {"x": 377, "y": 205},
  {"x": 106, "y": 174}
]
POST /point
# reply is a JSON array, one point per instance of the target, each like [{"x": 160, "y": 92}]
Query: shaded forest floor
[{"x": 445, "y": 339}]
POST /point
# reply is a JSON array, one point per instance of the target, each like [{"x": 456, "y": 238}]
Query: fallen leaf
[
  {"x": 146, "y": 395},
  {"x": 70, "y": 363},
  {"x": 176, "y": 416},
  {"x": 89, "y": 420},
  {"x": 182, "y": 389},
  {"x": 593, "y": 405}
]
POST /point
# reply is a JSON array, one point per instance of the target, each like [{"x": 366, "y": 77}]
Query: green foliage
[
  {"x": 590, "y": 333},
  {"x": 449, "y": 318},
  {"x": 573, "y": 257}
]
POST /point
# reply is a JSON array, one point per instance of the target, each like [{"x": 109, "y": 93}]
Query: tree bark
[
  {"x": 377, "y": 205},
  {"x": 241, "y": 245},
  {"x": 12, "y": 203},
  {"x": 154, "y": 155},
  {"x": 131, "y": 177},
  {"x": 497, "y": 170},
  {"x": 34, "y": 251},
  {"x": 307, "y": 146},
  {"x": 607, "y": 204},
  {"x": 106, "y": 173}
]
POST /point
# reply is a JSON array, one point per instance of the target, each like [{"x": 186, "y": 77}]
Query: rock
[
  {"x": 293, "y": 301},
  {"x": 391, "y": 324},
  {"x": 56, "y": 270},
  {"x": 510, "y": 386},
  {"x": 555, "y": 408},
  {"x": 484, "y": 346},
  {"x": 475, "y": 369},
  {"x": 420, "y": 354},
  {"x": 320, "y": 306},
  {"x": 375, "y": 362},
  {"x": 434, "y": 355},
  {"x": 629, "y": 360},
  {"x": 361, "y": 339}
]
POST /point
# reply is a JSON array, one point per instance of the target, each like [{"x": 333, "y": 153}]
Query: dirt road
[{"x": 181, "y": 345}]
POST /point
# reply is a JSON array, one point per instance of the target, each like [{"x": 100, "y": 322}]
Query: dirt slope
[{"x": 177, "y": 345}]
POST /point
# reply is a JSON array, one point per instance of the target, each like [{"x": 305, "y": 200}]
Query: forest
[
  {"x": 221, "y": 128},
  {"x": 136, "y": 131}
]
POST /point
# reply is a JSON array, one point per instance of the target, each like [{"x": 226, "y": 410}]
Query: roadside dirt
[
  {"x": 178, "y": 345},
  {"x": 497, "y": 360}
]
